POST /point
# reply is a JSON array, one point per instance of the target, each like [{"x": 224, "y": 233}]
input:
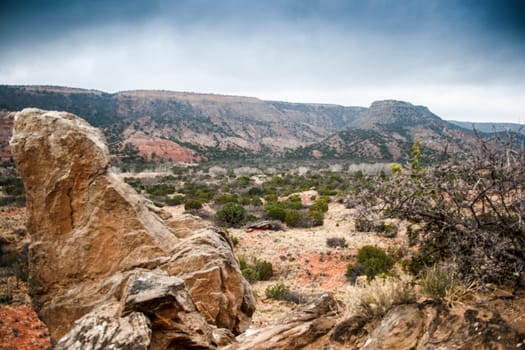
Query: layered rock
[{"x": 92, "y": 235}]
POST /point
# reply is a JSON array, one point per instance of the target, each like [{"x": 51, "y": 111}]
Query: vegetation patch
[{"x": 371, "y": 261}]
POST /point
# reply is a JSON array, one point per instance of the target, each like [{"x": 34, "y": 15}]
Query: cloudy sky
[{"x": 464, "y": 59}]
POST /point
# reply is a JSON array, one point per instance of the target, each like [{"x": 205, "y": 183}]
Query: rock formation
[
  {"x": 295, "y": 331},
  {"x": 102, "y": 257}
]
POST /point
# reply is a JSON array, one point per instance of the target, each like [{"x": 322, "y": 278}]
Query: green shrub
[
  {"x": 255, "y": 191},
  {"x": 354, "y": 271},
  {"x": 257, "y": 270},
  {"x": 242, "y": 262},
  {"x": 263, "y": 268},
  {"x": 320, "y": 205},
  {"x": 374, "y": 260},
  {"x": 293, "y": 205},
  {"x": 271, "y": 197},
  {"x": 175, "y": 200},
  {"x": 292, "y": 218},
  {"x": 363, "y": 225},
  {"x": 245, "y": 200},
  {"x": 160, "y": 189},
  {"x": 276, "y": 291},
  {"x": 256, "y": 202},
  {"x": 275, "y": 211},
  {"x": 224, "y": 198},
  {"x": 386, "y": 230},
  {"x": 250, "y": 275},
  {"x": 317, "y": 218},
  {"x": 230, "y": 213},
  {"x": 192, "y": 204}
]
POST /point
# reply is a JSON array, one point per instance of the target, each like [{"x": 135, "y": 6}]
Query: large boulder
[{"x": 92, "y": 233}]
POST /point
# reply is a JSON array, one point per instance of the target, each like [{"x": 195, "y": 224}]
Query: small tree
[{"x": 230, "y": 214}]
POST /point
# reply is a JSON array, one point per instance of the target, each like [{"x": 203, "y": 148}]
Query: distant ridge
[
  {"x": 144, "y": 126},
  {"x": 491, "y": 127}
]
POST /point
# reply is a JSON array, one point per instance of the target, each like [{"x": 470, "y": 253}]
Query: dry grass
[
  {"x": 442, "y": 284},
  {"x": 375, "y": 298}
]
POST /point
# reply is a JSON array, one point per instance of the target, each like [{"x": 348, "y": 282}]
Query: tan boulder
[{"x": 91, "y": 232}]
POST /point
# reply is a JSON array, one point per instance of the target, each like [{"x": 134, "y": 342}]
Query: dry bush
[
  {"x": 470, "y": 209},
  {"x": 375, "y": 298},
  {"x": 442, "y": 283}
]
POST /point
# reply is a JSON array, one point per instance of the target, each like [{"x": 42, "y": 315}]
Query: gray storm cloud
[{"x": 463, "y": 59}]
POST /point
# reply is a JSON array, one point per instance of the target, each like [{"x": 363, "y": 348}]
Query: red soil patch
[
  {"x": 20, "y": 329},
  {"x": 327, "y": 270}
]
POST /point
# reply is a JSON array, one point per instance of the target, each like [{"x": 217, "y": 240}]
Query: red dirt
[
  {"x": 20, "y": 329},
  {"x": 327, "y": 270}
]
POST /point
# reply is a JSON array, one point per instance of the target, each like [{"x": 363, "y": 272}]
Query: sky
[{"x": 464, "y": 59}]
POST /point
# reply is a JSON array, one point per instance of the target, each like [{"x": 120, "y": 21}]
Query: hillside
[
  {"x": 155, "y": 126},
  {"x": 491, "y": 127}
]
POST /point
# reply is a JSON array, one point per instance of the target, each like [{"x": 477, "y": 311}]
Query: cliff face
[
  {"x": 98, "y": 248},
  {"x": 149, "y": 125}
]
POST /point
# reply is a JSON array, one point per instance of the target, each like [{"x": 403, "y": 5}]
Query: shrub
[
  {"x": 374, "y": 260},
  {"x": 276, "y": 291},
  {"x": 293, "y": 205},
  {"x": 230, "y": 213},
  {"x": 226, "y": 198},
  {"x": 255, "y": 191},
  {"x": 257, "y": 270},
  {"x": 250, "y": 275},
  {"x": 386, "y": 230},
  {"x": 263, "y": 268},
  {"x": 468, "y": 204},
  {"x": 292, "y": 218},
  {"x": 192, "y": 204},
  {"x": 380, "y": 295},
  {"x": 317, "y": 218},
  {"x": 275, "y": 211},
  {"x": 160, "y": 189},
  {"x": 333, "y": 242},
  {"x": 242, "y": 262},
  {"x": 354, "y": 271},
  {"x": 175, "y": 200},
  {"x": 320, "y": 205},
  {"x": 256, "y": 202},
  {"x": 363, "y": 225},
  {"x": 442, "y": 284}
]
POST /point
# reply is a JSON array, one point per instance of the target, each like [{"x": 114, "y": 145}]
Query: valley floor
[{"x": 300, "y": 257}]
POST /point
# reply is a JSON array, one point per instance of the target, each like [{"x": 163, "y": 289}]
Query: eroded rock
[
  {"x": 295, "y": 331},
  {"x": 92, "y": 233},
  {"x": 426, "y": 326}
]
